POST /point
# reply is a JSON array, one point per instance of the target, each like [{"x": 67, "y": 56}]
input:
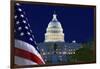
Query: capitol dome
[{"x": 54, "y": 31}]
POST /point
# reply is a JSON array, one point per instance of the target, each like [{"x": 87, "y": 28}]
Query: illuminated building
[
  {"x": 54, "y": 32},
  {"x": 54, "y": 49}
]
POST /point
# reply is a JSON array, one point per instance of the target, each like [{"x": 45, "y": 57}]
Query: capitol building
[
  {"x": 54, "y": 49},
  {"x": 54, "y": 32}
]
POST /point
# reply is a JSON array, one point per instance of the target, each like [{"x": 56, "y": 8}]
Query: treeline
[{"x": 85, "y": 54}]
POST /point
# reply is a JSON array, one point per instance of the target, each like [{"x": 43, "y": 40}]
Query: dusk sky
[{"x": 77, "y": 22}]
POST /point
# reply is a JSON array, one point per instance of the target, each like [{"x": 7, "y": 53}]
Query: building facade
[{"x": 54, "y": 49}]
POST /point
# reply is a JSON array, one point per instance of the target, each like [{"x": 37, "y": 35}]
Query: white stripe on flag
[
  {"x": 27, "y": 47},
  {"x": 23, "y": 61}
]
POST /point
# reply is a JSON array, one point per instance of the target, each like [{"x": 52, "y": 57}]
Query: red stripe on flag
[{"x": 28, "y": 55}]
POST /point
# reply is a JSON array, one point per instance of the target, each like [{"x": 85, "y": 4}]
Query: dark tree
[{"x": 85, "y": 54}]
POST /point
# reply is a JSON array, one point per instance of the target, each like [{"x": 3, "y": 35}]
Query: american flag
[{"x": 26, "y": 51}]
